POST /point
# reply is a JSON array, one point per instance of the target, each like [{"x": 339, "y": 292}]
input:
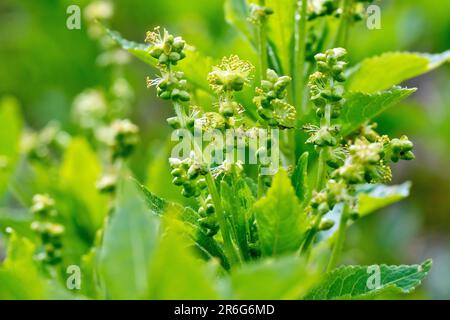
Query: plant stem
[
  {"x": 339, "y": 244},
  {"x": 262, "y": 44},
  {"x": 341, "y": 34},
  {"x": 228, "y": 243},
  {"x": 229, "y": 247},
  {"x": 322, "y": 166},
  {"x": 300, "y": 53}
]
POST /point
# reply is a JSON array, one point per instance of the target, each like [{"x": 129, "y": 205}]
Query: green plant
[{"x": 241, "y": 233}]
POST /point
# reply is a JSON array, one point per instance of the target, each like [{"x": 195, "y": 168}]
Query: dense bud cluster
[
  {"x": 271, "y": 101},
  {"x": 324, "y": 84},
  {"x": 172, "y": 86},
  {"x": 122, "y": 138},
  {"x": 323, "y": 8},
  {"x": 43, "y": 208},
  {"x": 230, "y": 75},
  {"x": 401, "y": 149},
  {"x": 188, "y": 174},
  {"x": 46, "y": 145},
  {"x": 165, "y": 47},
  {"x": 259, "y": 13}
]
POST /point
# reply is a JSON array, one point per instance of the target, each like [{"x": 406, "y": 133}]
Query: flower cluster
[
  {"x": 43, "y": 209},
  {"x": 258, "y": 13},
  {"x": 271, "y": 101},
  {"x": 46, "y": 145},
  {"x": 165, "y": 47}
]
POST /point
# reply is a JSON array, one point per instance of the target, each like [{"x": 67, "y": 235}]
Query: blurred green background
[{"x": 45, "y": 66}]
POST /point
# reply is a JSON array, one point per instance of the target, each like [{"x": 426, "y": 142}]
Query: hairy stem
[{"x": 339, "y": 243}]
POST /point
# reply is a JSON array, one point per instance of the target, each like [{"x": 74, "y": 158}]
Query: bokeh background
[{"x": 45, "y": 66}]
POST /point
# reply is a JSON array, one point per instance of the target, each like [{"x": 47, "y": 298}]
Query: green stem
[
  {"x": 226, "y": 235},
  {"x": 339, "y": 244},
  {"x": 300, "y": 54},
  {"x": 341, "y": 34},
  {"x": 262, "y": 44},
  {"x": 227, "y": 240},
  {"x": 322, "y": 166}
]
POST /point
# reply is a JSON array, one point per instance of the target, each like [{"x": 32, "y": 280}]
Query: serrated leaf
[
  {"x": 128, "y": 243},
  {"x": 300, "y": 177},
  {"x": 279, "y": 218},
  {"x": 10, "y": 131},
  {"x": 78, "y": 176},
  {"x": 372, "y": 197},
  {"x": 175, "y": 273},
  {"x": 361, "y": 107},
  {"x": 360, "y": 282},
  {"x": 196, "y": 73},
  {"x": 389, "y": 69},
  {"x": 273, "y": 279}
]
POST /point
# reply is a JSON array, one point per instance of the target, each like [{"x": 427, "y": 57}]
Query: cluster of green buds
[
  {"x": 207, "y": 218},
  {"x": 189, "y": 174},
  {"x": 123, "y": 136},
  {"x": 321, "y": 8},
  {"x": 365, "y": 163},
  {"x": 43, "y": 209},
  {"x": 172, "y": 86},
  {"x": 359, "y": 11},
  {"x": 165, "y": 47},
  {"x": 46, "y": 145},
  {"x": 271, "y": 101},
  {"x": 230, "y": 76},
  {"x": 259, "y": 13},
  {"x": 324, "y": 84},
  {"x": 168, "y": 50}
]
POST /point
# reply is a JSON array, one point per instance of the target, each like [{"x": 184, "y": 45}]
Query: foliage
[{"x": 239, "y": 233}]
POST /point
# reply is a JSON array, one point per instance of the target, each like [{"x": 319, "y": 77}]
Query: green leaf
[
  {"x": 300, "y": 177},
  {"x": 236, "y": 14},
  {"x": 361, "y": 107},
  {"x": 128, "y": 243},
  {"x": 79, "y": 173},
  {"x": 282, "y": 278},
  {"x": 359, "y": 282},
  {"x": 188, "y": 223},
  {"x": 237, "y": 201},
  {"x": 372, "y": 197},
  {"x": 10, "y": 131},
  {"x": 281, "y": 26},
  {"x": 389, "y": 69},
  {"x": 280, "y": 220},
  {"x": 18, "y": 220},
  {"x": 196, "y": 73},
  {"x": 21, "y": 278},
  {"x": 175, "y": 273},
  {"x": 156, "y": 204}
]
